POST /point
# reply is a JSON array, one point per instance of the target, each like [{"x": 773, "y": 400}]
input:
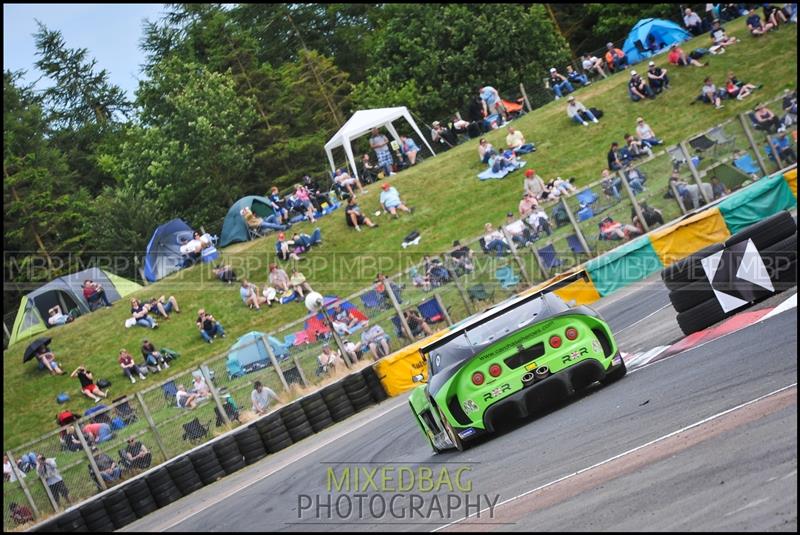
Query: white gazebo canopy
[{"x": 362, "y": 122}]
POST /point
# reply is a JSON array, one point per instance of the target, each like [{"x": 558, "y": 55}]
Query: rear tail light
[
  {"x": 495, "y": 370},
  {"x": 555, "y": 341},
  {"x": 477, "y": 378},
  {"x": 571, "y": 333}
]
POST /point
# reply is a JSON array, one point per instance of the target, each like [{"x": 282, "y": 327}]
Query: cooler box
[{"x": 210, "y": 254}]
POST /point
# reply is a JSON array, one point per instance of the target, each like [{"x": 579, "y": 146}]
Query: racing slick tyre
[
  {"x": 451, "y": 433},
  {"x": 701, "y": 316},
  {"x": 292, "y": 416},
  {"x": 374, "y": 385},
  {"x": 766, "y": 232},
  {"x": 354, "y": 383},
  {"x": 251, "y": 445},
  {"x": 691, "y": 295},
  {"x": 362, "y": 401},
  {"x": 72, "y": 521},
  {"x": 687, "y": 269},
  {"x": 615, "y": 375},
  {"x": 333, "y": 392},
  {"x": 300, "y": 431}
]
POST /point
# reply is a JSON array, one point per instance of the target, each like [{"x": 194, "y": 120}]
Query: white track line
[
  {"x": 623, "y": 454},
  {"x": 637, "y": 322},
  {"x": 788, "y": 304}
]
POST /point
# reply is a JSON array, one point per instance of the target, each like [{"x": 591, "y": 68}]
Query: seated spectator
[
  {"x": 460, "y": 126},
  {"x": 380, "y": 287},
  {"x": 93, "y": 292},
  {"x": 369, "y": 171},
  {"x": 416, "y": 323},
  {"x": 690, "y": 193},
  {"x": 109, "y": 470},
  {"x": 711, "y": 95},
  {"x": 638, "y": 88},
  {"x": 352, "y": 349},
  {"x": 163, "y": 306},
  {"x": 719, "y": 37},
  {"x": 755, "y": 25},
  {"x": 616, "y": 160},
  {"x": 354, "y": 217},
  {"x": 657, "y": 77},
  {"x": 718, "y": 188},
  {"x": 501, "y": 162},
  {"x": 527, "y": 204},
  {"x": 70, "y": 439},
  {"x": 184, "y": 399},
  {"x": 783, "y": 145},
  {"x": 278, "y": 278},
  {"x": 262, "y": 224},
  {"x": 199, "y": 386},
  {"x": 614, "y": 230},
  {"x": 346, "y": 181},
  {"x": 495, "y": 241},
  {"x": 328, "y": 359},
  {"x": 88, "y": 388},
  {"x": 564, "y": 187},
  {"x": 278, "y": 205},
  {"x": 653, "y": 46},
  {"x": 97, "y": 433},
  {"x": 678, "y": 57},
  {"x": 302, "y": 202},
  {"x": 636, "y": 148},
  {"x": 250, "y": 295},
  {"x": 652, "y": 216},
  {"x": 559, "y": 83},
  {"x": 519, "y": 232},
  {"x": 485, "y": 150},
  {"x": 591, "y": 63},
  {"x": 136, "y": 455},
  {"x": 635, "y": 179},
  {"x": 578, "y": 112},
  {"x": 575, "y": 77},
  {"x": 443, "y": 135},
  {"x": 533, "y": 184},
  {"x": 374, "y": 336},
  {"x": 345, "y": 318},
  {"x": 611, "y": 184},
  {"x": 152, "y": 356},
  {"x": 462, "y": 257},
  {"x": 285, "y": 249},
  {"x": 261, "y": 396},
  {"x": 515, "y": 141},
  {"x": 615, "y": 58},
  {"x": 299, "y": 283},
  {"x": 47, "y": 360},
  {"x": 194, "y": 247},
  {"x": 766, "y": 119},
  {"x": 20, "y": 514},
  {"x": 538, "y": 223},
  {"x": 209, "y": 327},
  {"x": 692, "y": 22},
  {"x": 736, "y": 89},
  {"x": 129, "y": 368},
  {"x": 774, "y": 15},
  {"x": 270, "y": 295},
  {"x": 224, "y": 273},
  {"x": 435, "y": 272},
  {"x": 57, "y": 317},
  {"x": 409, "y": 149},
  {"x": 646, "y": 134},
  {"x": 140, "y": 313},
  {"x": 390, "y": 200}
]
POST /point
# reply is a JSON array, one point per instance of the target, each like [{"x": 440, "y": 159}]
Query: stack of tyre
[
  {"x": 205, "y": 465},
  {"x": 691, "y": 294}
]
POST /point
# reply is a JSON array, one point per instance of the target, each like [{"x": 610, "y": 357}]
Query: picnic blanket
[{"x": 489, "y": 174}]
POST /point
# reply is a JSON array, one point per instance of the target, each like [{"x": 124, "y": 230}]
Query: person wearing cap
[
  {"x": 354, "y": 217},
  {"x": 579, "y": 113},
  {"x": 250, "y": 296},
  {"x": 638, "y": 89},
  {"x": 783, "y": 145},
  {"x": 261, "y": 396},
  {"x": 575, "y": 77},
  {"x": 516, "y": 228},
  {"x": 285, "y": 249},
  {"x": 719, "y": 37},
  {"x": 380, "y": 144},
  {"x": 646, "y": 134},
  {"x": 515, "y": 141},
  {"x": 559, "y": 83},
  {"x": 615, "y": 58},
  {"x": 692, "y": 21},
  {"x": 390, "y": 200},
  {"x": 678, "y": 57},
  {"x": 262, "y": 224},
  {"x": 533, "y": 184},
  {"x": 657, "y": 77},
  {"x": 593, "y": 63},
  {"x": 278, "y": 278}
]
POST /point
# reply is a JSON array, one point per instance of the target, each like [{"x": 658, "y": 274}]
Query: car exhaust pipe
[
  {"x": 528, "y": 378},
  {"x": 541, "y": 373}
]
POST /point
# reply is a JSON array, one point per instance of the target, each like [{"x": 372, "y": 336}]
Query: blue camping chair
[
  {"x": 549, "y": 257},
  {"x": 585, "y": 213},
  {"x": 431, "y": 311},
  {"x": 575, "y": 244},
  {"x": 169, "y": 389},
  {"x": 289, "y": 339},
  {"x": 587, "y": 197},
  {"x": 506, "y": 276},
  {"x": 398, "y": 327},
  {"x": 746, "y": 164},
  {"x": 372, "y": 299}
]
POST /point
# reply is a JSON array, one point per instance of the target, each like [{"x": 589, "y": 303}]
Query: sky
[{"x": 110, "y": 32}]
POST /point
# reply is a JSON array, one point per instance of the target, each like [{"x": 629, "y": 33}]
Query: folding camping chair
[
  {"x": 506, "y": 277},
  {"x": 640, "y": 48},
  {"x": 398, "y": 327},
  {"x": 256, "y": 232},
  {"x": 479, "y": 293},
  {"x": 431, "y": 311},
  {"x": 194, "y": 431},
  {"x": 746, "y": 164},
  {"x": 125, "y": 411},
  {"x": 373, "y": 299},
  {"x": 230, "y": 409},
  {"x": 575, "y": 244},
  {"x": 720, "y": 139},
  {"x": 587, "y": 197},
  {"x": 701, "y": 143},
  {"x": 169, "y": 389},
  {"x": 548, "y": 257},
  {"x": 585, "y": 213}
]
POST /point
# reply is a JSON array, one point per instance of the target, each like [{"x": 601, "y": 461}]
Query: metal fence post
[
  {"x": 443, "y": 309},
  {"x": 694, "y": 172},
  {"x": 100, "y": 481},
  {"x": 215, "y": 395},
  {"x": 513, "y": 247},
  {"x": 53, "y": 502},
  {"x": 274, "y": 362},
  {"x": 749, "y": 135},
  {"x": 636, "y": 206},
  {"x": 21, "y": 479},
  {"x": 387, "y": 283},
  {"x": 152, "y": 424},
  {"x": 575, "y": 225},
  {"x": 775, "y": 152}
]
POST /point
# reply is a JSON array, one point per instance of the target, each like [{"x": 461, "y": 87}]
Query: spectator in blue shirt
[
  {"x": 409, "y": 149},
  {"x": 575, "y": 77},
  {"x": 784, "y": 147},
  {"x": 390, "y": 200},
  {"x": 755, "y": 25}
]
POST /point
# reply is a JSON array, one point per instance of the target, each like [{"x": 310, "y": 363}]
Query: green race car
[{"x": 513, "y": 357}]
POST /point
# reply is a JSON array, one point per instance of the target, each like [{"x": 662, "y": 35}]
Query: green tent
[
  {"x": 67, "y": 292},
  {"x": 234, "y": 228}
]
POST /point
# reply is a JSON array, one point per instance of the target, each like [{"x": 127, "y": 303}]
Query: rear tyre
[
  {"x": 615, "y": 375},
  {"x": 451, "y": 433}
]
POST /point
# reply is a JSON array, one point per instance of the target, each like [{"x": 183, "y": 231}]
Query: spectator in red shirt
[
  {"x": 129, "y": 368},
  {"x": 93, "y": 293},
  {"x": 678, "y": 57}
]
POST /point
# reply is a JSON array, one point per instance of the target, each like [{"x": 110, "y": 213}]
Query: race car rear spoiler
[{"x": 501, "y": 309}]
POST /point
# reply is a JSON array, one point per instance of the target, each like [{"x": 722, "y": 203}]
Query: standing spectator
[
  {"x": 375, "y": 336},
  {"x": 250, "y": 296},
  {"x": 409, "y": 149},
  {"x": 152, "y": 356},
  {"x": 495, "y": 241},
  {"x": 136, "y": 455},
  {"x": 692, "y": 22},
  {"x": 719, "y": 37},
  {"x": 638, "y": 88},
  {"x": 48, "y": 360},
  {"x": 485, "y": 150},
  {"x": 736, "y": 89},
  {"x": 390, "y": 200},
  {"x": 577, "y": 78},
  {"x": 354, "y": 217},
  {"x": 678, "y": 57},
  {"x": 515, "y": 141},
  {"x": 592, "y": 63},
  {"x": 208, "y": 326},
  {"x": 615, "y": 58},
  {"x": 711, "y": 95},
  {"x": 646, "y": 134},
  {"x": 657, "y": 77},
  {"x": 48, "y": 471},
  {"x": 261, "y": 396},
  {"x": 299, "y": 283},
  {"x": 129, "y": 368},
  {"x": 94, "y": 292},
  {"x": 88, "y": 387},
  {"x": 328, "y": 359},
  {"x": 766, "y": 119},
  {"x": 755, "y": 25},
  {"x": 380, "y": 144},
  {"x": 578, "y": 112},
  {"x": 559, "y": 84},
  {"x": 492, "y": 103},
  {"x": 278, "y": 278}
]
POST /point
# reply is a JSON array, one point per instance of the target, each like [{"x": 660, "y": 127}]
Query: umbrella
[{"x": 34, "y": 347}]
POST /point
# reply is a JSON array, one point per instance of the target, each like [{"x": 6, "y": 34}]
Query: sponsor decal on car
[
  {"x": 575, "y": 355},
  {"x": 496, "y": 392},
  {"x": 530, "y": 367},
  {"x": 470, "y": 406},
  {"x": 468, "y": 432},
  {"x": 596, "y": 347}
]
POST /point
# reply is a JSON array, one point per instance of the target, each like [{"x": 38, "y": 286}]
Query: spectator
[
  {"x": 736, "y": 89},
  {"x": 718, "y": 189},
  {"x": 343, "y": 316},
  {"x": 88, "y": 387},
  {"x": 193, "y": 248},
  {"x": 460, "y": 126},
  {"x": 575, "y": 77},
  {"x": 8, "y": 470},
  {"x": 48, "y": 470},
  {"x": 692, "y": 22},
  {"x": 559, "y": 84},
  {"x": 646, "y": 134},
  {"x": 485, "y": 150},
  {"x": 783, "y": 145},
  {"x": 416, "y": 323},
  {"x": 657, "y": 77},
  {"x": 278, "y": 278},
  {"x": 615, "y": 159},
  {"x": 635, "y": 179},
  {"x": 315, "y": 193},
  {"x": 495, "y": 241},
  {"x": 285, "y": 249},
  {"x": 527, "y": 204},
  {"x": 140, "y": 313},
  {"x": 652, "y": 216},
  {"x": 592, "y": 63},
  {"x": 303, "y": 202},
  {"x": 209, "y": 327},
  {"x": 766, "y": 119},
  {"x": 615, "y": 58},
  {"x": 136, "y": 455},
  {"x": 755, "y": 25},
  {"x": 611, "y": 184},
  {"x": 441, "y": 134},
  {"x": 20, "y": 514},
  {"x": 199, "y": 385},
  {"x": 346, "y": 181},
  {"x": 270, "y": 295},
  {"x": 462, "y": 257},
  {"x": 501, "y": 162},
  {"x": 94, "y": 292},
  {"x": 409, "y": 149},
  {"x": 636, "y": 148},
  {"x": 71, "y": 441},
  {"x": 152, "y": 356},
  {"x": 56, "y": 317},
  {"x": 380, "y": 287},
  {"x": 774, "y": 15},
  {"x": 390, "y": 200},
  {"x": 492, "y": 103},
  {"x": 578, "y": 112},
  {"x": 262, "y": 224},
  {"x": 719, "y": 37},
  {"x": 614, "y": 230},
  {"x": 711, "y": 95},
  {"x": 638, "y": 88},
  {"x": 47, "y": 360},
  {"x": 184, "y": 399},
  {"x": 380, "y": 144},
  {"x": 224, "y": 273},
  {"x": 129, "y": 368},
  {"x": 299, "y": 283},
  {"x": 564, "y": 187},
  {"x": 538, "y": 222},
  {"x": 109, "y": 470},
  {"x": 278, "y": 205},
  {"x": 369, "y": 171},
  {"x": 305, "y": 241},
  {"x": 261, "y": 396},
  {"x": 250, "y": 295},
  {"x": 678, "y": 57},
  {"x": 374, "y": 337},
  {"x": 690, "y": 193},
  {"x": 353, "y": 350},
  {"x": 533, "y": 184},
  {"x": 515, "y": 141},
  {"x": 653, "y": 46},
  {"x": 354, "y": 217},
  {"x": 97, "y": 432},
  {"x": 163, "y": 306},
  {"x": 519, "y": 232},
  {"x": 328, "y": 359}
]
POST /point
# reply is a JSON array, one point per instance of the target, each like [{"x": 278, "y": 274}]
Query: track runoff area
[{"x": 701, "y": 435}]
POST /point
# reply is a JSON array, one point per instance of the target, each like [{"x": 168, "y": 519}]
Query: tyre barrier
[
  {"x": 119, "y": 509},
  {"x": 207, "y": 465},
  {"x": 357, "y": 391},
  {"x": 273, "y": 432},
  {"x": 338, "y": 403},
  {"x": 230, "y": 458},
  {"x": 184, "y": 475},
  {"x": 250, "y": 444},
  {"x": 316, "y": 412},
  {"x": 140, "y": 498},
  {"x": 296, "y": 422},
  {"x": 162, "y": 487},
  {"x": 691, "y": 293},
  {"x": 72, "y": 521},
  {"x": 96, "y": 517},
  {"x": 374, "y": 385}
]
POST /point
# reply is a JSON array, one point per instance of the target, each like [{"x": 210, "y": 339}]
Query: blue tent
[
  {"x": 163, "y": 255},
  {"x": 234, "y": 228},
  {"x": 665, "y": 33},
  {"x": 248, "y": 354}
]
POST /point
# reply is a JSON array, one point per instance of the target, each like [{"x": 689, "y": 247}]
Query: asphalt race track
[{"x": 702, "y": 440}]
